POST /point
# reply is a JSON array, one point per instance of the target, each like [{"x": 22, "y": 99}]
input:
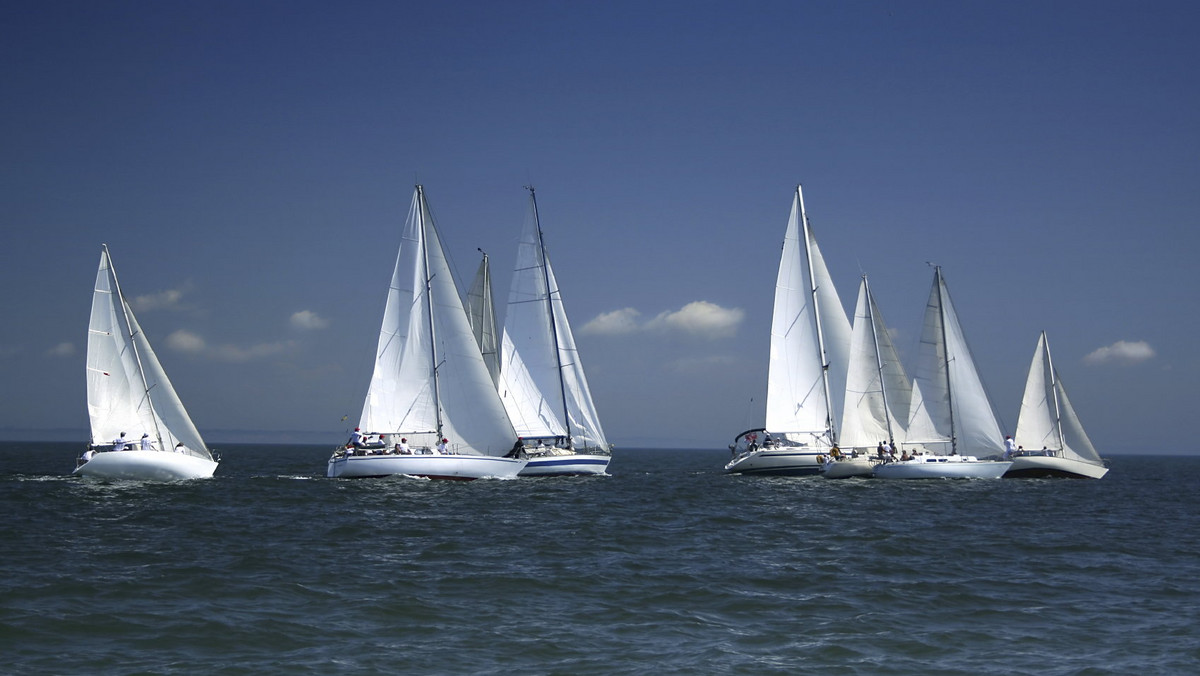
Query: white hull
[
  {"x": 460, "y": 467},
  {"x": 775, "y": 462},
  {"x": 575, "y": 464},
  {"x": 843, "y": 469},
  {"x": 147, "y": 466},
  {"x": 942, "y": 467},
  {"x": 1036, "y": 466}
]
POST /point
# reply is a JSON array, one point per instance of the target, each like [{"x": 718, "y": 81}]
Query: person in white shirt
[
  {"x": 1010, "y": 447},
  {"x": 146, "y": 442},
  {"x": 402, "y": 447},
  {"x": 119, "y": 443},
  {"x": 441, "y": 448}
]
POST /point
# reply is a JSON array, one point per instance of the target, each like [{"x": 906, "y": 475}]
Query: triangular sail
[
  {"x": 482, "y": 313},
  {"x": 798, "y": 397},
  {"x": 543, "y": 384},
  {"x": 1047, "y": 419},
  {"x": 429, "y": 374},
  {"x": 878, "y": 391},
  {"x": 128, "y": 391},
  {"x": 947, "y": 388}
]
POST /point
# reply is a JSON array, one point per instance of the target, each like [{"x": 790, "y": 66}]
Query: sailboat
[
  {"x": 139, "y": 427},
  {"x": 1048, "y": 421},
  {"x": 878, "y": 392},
  {"x": 542, "y": 382},
  {"x": 430, "y": 393},
  {"x": 950, "y": 410},
  {"x": 810, "y": 337}
]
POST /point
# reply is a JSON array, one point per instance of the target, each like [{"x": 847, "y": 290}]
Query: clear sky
[{"x": 250, "y": 165}]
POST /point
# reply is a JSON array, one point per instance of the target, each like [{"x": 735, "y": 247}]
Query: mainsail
[
  {"x": 542, "y": 380},
  {"x": 127, "y": 389},
  {"x": 429, "y": 374},
  {"x": 1047, "y": 419},
  {"x": 949, "y": 404},
  {"x": 809, "y": 332}
]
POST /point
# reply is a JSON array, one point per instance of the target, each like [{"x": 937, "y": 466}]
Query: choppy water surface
[{"x": 667, "y": 566}]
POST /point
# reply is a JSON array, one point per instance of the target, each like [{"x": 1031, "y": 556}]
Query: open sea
[{"x": 668, "y": 566}]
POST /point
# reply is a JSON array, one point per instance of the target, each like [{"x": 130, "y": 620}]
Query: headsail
[
  {"x": 809, "y": 330},
  {"x": 429, "y": 374},
  {"x": 128, "y": 391}
]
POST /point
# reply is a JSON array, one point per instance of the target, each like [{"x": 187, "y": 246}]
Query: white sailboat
[
  {"x": 878, "y": 393},
  {"x": 810, "y": 337},
  {"x": 542, "y": 383},
  {"x": 951, "y": 419},
  {"x": 139, "y": 427},
  {"x": 1048, "y": 422},
  {"x": 431, "y": 395}
]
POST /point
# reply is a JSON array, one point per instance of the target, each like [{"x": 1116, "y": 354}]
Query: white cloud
[
  {"x": 63, "y": 349},
  {"x": 700, "y": 318},
  {"x": 308, "y": 320},
  {"x": 1121, "y": 352},
  {"x": 233, "y": 353},
  {"x": 185, "y": 341},
  {"x": 163, "y": 300},
  {"x": 615, "y": 323}
]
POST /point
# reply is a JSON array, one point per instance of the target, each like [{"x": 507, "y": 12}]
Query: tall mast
[
  {"x": 887, "y": 411},
  {"x": 1062, "y": 441},
  {"x": 562, "y": 385},
  {"x": 812, "y": 285},
  {"x": 937, "y": 278},
  {"x": 437, "y": 398},
  {"x": 133, "y": 345}
]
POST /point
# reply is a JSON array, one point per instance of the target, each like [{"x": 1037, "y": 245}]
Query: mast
[
  {"x": 887, "y": 411},
  {"x": 937, "y": 277},
  {"x": 133, "y": 346},
  {"x": 812, "y": 285},
  {"x": 437, "y": 398},
  {"x": 1062, "y": 440},
  {"x": 562, "y": 385}
]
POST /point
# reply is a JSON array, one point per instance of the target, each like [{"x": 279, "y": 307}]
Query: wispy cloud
[
  {"x": 1121, "y": 352},
  {"x": 698, "y": 318},
  {"x": 615, "y": 323},
  {"x": 163, "y": 300},
  {"x": 308, "y": 320},
  {"x": 63, "y": 349},
  {"x": 693, "y": 365},
  {"x": 190, "y": 343},
  {"x": 9, "y": 350},
  {"x": 185, "y": 341}
]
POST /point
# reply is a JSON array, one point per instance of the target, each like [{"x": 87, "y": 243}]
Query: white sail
[
  {"x": 878, "y": 391},
  {"x": 429, "y": 376},
  {"x": 544, "y": 387},
  {"x": 808, "y": 319},
  {"x": 481, "y": 312},
  {"x": 948, "y": 395},
  {"x": 127, "y": 389},
  {"x": 1047, "y": 419}
]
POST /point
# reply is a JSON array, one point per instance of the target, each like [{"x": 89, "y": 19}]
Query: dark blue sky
[{"x": 250, "y": 164}]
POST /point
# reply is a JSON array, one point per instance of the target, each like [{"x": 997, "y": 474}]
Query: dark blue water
[{"x": 668, "y": 566}]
